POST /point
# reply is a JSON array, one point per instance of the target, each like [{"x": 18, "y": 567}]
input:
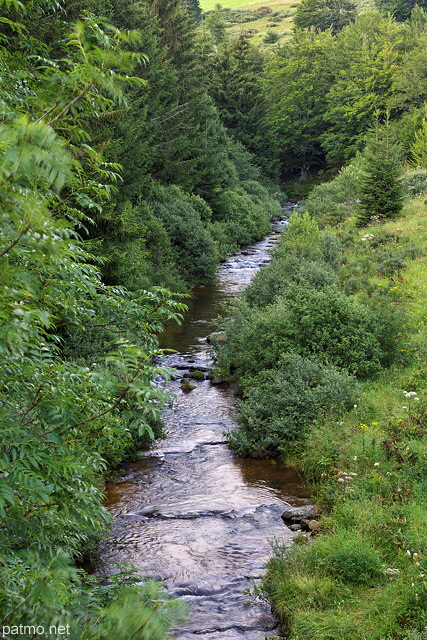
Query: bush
[
  {"x": 271, "y": 37},
  {"x": 245, "y": 220},
  {"x": 414, "y": 183},
  {"x": 279, "y": 275},
  {"x": 332, "y": 202},
  {"x": 195, "y": 251},
  {"x": 282, "y": 401},
  {"x": 327, "y": 324}
]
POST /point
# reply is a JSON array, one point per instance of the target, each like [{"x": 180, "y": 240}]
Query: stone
[
  {"x": 217, "y": 380},
  {"x": 295, "y": 527},
  {"x": 296, "y": 514},
  {"x": 314, "y": 526}
]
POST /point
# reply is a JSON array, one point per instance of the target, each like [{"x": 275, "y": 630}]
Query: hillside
[
  {"x": 264, "y": 27},
  {"x": 257, "y": 19}
]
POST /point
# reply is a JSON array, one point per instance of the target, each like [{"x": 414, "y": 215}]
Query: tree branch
[
  {"x": 70, "y": 104},
  {"x": 14, "y": 242}
]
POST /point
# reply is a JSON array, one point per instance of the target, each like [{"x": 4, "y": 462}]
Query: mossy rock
[
  {"x": 187, "y": 386},
  {"x": 196, "y": 375}
]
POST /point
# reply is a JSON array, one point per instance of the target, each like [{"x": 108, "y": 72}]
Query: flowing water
[{"x": 189, "y": 513}]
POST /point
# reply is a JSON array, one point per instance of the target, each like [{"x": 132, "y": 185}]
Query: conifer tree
[
  {"x": 400, "y": 9},
  {"x": 238, "y": 92},
  {"x": 324, "y": 14},
  {"x": 382, "y": 196}
]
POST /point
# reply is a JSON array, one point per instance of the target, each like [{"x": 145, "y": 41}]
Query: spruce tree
[
  {"x": 400, "y": 9},
  {"x": 324, "y": 14},
  {"x": 382, "y": 196}
]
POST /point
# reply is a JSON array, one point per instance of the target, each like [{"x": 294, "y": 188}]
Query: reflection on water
[{"x": 188, "y": 512}]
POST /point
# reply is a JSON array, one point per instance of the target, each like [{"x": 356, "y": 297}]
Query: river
[{"x": 191, "y": 514}]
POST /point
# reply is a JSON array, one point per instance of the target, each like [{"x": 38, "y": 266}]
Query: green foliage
[
  {"x": 274, "y": 280},
  {"x": 62, "y": 421},
  {"x": 296, "y": 339},
  {"x": 332, "y": 202},
  {"x": 324, "y": 14},
  {"x": 326, "y": 323},
  {"x": 414, "y": 183},
  {"x": 45, "y": 591},
  {"x": 281, "y": 402},
  {"x": 180, "y": 215},
  {"x": 381, "y": 191},
  {"x": 418, "y": 149},
  {"x": 400, "y": 9},
  {"x": 366, "y": 56},
  {"x": 237, "y": 89},
  {"x": 297, "y": 81},
  {"x": 271, "y": 37}
]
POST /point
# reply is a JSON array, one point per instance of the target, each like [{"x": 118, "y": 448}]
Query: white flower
[
  {"x": 376, "y": 464},
  {"x": 354, "y": 457}
]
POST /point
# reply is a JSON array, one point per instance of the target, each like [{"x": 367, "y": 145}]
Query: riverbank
[{"x": 364, "y": 576}]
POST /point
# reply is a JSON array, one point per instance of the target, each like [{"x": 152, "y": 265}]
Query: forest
[{"x": 140, "y": 144}]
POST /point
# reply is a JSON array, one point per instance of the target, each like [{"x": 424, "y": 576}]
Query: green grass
[
  {"x": 283, "y": 28},
  {"x": 209, "y": 5}
]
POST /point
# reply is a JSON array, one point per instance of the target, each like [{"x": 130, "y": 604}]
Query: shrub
[
  {"x": 414, "y": 183},
  {"x": 333, "y": 202},
  {"x": 195, "y": 251},
  {"x": 281, "y": 402},
  {"x": 275, "y": 279},
  {"x": 327, "y": 324},
  {"x": 271, "y": 37}
]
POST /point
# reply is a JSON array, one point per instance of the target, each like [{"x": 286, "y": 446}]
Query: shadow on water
[{"x": 191, "y": 514}]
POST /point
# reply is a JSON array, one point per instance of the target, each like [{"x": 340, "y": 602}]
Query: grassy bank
[
  {"x": 365, "y": 451},
  {"x": 365, "y": 576}
]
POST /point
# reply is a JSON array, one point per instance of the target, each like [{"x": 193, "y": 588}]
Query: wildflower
[
  {"x": 354, "y": 457},
  {"x": 355, "y": 406},
  {"x": 376, "y": 464},
  {"x": 404, "y": 407},
  {"x": 408, "y": 553}
]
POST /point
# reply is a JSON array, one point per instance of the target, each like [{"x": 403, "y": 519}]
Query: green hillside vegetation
[
  {"x": 257, "y": 20},
  {"x": 362, "y": 444},
  {"x": 328, "y": 345}
]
